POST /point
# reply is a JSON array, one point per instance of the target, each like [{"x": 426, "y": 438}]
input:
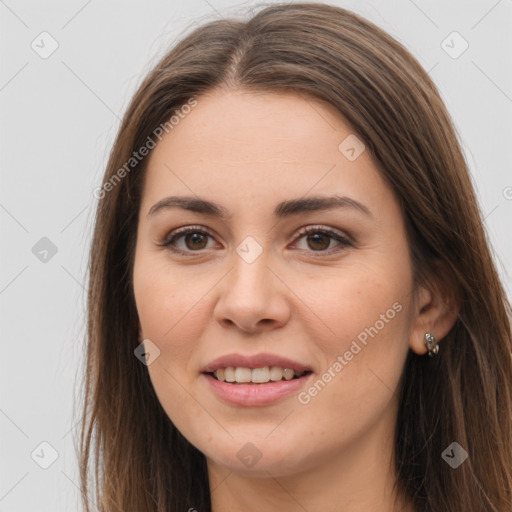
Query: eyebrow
[{"x": 282, "y": 210}]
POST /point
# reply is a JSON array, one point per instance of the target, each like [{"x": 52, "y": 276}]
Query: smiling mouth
[{"x": 263, "y": 375}]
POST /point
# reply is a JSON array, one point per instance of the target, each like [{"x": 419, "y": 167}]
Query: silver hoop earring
[{"x": 431, "y": 343}]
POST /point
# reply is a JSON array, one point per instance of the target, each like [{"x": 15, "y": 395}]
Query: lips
[{"x": 250, "y": 381}]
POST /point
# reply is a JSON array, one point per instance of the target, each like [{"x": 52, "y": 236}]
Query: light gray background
[{"x": 59, "y": 117}]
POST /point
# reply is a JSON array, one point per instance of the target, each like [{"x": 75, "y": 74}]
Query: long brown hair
[{"x": 141, "y": 461}]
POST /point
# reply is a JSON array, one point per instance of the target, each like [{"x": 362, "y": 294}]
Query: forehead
[
  {"x": 244, "y": 126},
  {"x": 253, "y": 147}
]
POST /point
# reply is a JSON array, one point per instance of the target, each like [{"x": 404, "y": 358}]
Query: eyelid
[
  {"x": 178, "y": 232},
  {"x": 306, "y": 230},
  {"x": 343, "y": 238}
]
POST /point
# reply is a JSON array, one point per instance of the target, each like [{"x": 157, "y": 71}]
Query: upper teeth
[{"x": 256, "y": 375}]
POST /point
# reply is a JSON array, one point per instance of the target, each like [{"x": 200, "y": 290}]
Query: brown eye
[
  {"x": 195, "y": 241},
  {"x": 319, "y": 241},
  {"x": 188, "y": 240}
]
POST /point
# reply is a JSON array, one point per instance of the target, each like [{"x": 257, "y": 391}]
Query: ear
[{"x": 437, "y": 305}]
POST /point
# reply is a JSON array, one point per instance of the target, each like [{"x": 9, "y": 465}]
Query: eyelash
[{"x": 344, "y": 241}]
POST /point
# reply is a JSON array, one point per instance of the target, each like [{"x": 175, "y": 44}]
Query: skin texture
[{"x": 248, "y": 152}]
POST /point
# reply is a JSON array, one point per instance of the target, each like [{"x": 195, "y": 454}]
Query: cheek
[
  {"x": 170, "y": 315},
  {"x": 359, "y": 303},
  {"x": 368, "y": 310},
  {"x": 173, "y": 312},
  {"x": 170, "y": 307}
]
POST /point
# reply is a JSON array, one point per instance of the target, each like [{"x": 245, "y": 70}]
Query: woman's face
[{"x": 248, "y": 289}]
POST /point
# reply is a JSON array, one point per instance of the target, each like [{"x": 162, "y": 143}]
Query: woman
[{"x": 292, "y": 301}]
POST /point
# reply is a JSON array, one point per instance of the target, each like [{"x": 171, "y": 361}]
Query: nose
[{"x": 252, "y": 298}]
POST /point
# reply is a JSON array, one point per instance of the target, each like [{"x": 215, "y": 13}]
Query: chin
[{"x": 258, "y": 457}]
